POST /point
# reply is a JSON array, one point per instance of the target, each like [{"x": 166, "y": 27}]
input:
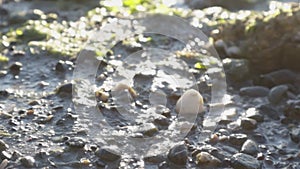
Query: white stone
[{"x": 191, "y": 102}]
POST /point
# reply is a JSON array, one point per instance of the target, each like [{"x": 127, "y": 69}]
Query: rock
[
  {"x": 248, "y": 124},
  {"x": 295, "y": 135},
  {"x": 237, "y": 139},
  {"x": 249, "y": 147},
  {"x": 16, "y": 67},
  {"x": 3, "y": 164},
  {"x": 191, "y": 102},
  {"x": 147, "y": 129},
  {"x": 236, "y": 69},
  {"x": 233, "y": 51},
  {"x": 279, "y": 77},
  {"x": 76, "y": 142},
  {"x": 60, "y": 66},
  {"x": 3, "y": 73},
  {"x": 253, "y": 113},
  {"x": 158, "y": 158},
  {"x": 65, "y": 89},
  {"x": 244, "y": 161},
  {"x": 102, "y": 95},
  {"x": 268, "y": 110},
  {"x": 292, "y": 110},
  {"x": 28, "y": 161},
  {"x": 254, "y": 91},
  {"x": 178, "y": 154},
  {"x": 108, "y": 153},
  {"x": 121, "y": 87},
  {"x": 277, "y": 93},
  {"x": 3, "y": 146},
  {"x": 206, "y": 159},
  {"x": 162, "y": 120}
]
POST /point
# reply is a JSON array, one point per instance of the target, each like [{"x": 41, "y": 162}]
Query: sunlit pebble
[
  {"x": 122, "y": 87},
  {"x": 191, "y": 102}
]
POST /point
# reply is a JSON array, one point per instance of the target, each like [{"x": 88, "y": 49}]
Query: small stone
[
  {"x": 244, "y": 161},
  {"x": 3, "y": 73},
  {"x": 254, "y": 91},
  {"x": 28, "y": 161},
  {"x": 277, "y": 93},
  {"x": 249, "y": 147},
  {"x": 283, "y": 76},
  {"x": 237, "y": 139},
  {"x": 102, "y": 96},
  {"x": 108, "y": 153},
  {"x": 162, "y": 120},
  {"x": 3, "y": 164},
  {"x": 295, "y": 135},
  {"x": 76, "y": 142},
  {"x": 121, "y": 87},
  {"x": 206, "y": 159},
  {"x": 248, "y": 124},
  {"x": 16, "y": 67},
  {"x": 65, "y": 89},
  {"x": 191, "y": 102},
  {"x": 178, "y": 154},
  {"x": 3, "y": 146},
  {"x": 60, "y": 66},
  {"x": 268, "y": 110},
  {"x": 236, "y": 69},
  {"x": 253, "y": 113},
  {"x": 158, "y": 158},
  {"x": 233, "y": 51},
  {"x": 147, "y": 129}
]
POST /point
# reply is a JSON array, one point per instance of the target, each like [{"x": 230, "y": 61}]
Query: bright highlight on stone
[{"x": 191, "y": 102}]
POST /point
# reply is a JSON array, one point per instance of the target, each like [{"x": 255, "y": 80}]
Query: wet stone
[
  {"x": 283, "y": 76},
  {"x": 268, "y": 110},
  {"x": 236, "y": 69},
  {"x": 3, "y": 146},
  {"x": 178, "y": 154},
  {"x": 237, "y": 139},
  {"x": 295, "y": 135},
  {"x": 76, "y": 142},
  {"x": 155, "y": 158},
  {"x": 253, "y": 113},
  {"x": 60, "y": 66},
  {"x": 16, "y": 67},
  {"x": 244, "y": 161},
  {"x": 147, "y": 129},
  {"x": 3, "y": 73},
  {"x": 65, "y": 89},
  {"x": 254, "y": 91},
  {"x": 28, "y": 161},
  {"x": 249, "y": 147},
  {"x": 248, "y": 124},
  {"x": 277, "y": 93},
  {"x": 206, "y": 159},
  {"x": 108, "y": 153},
  {"x": 292, "y": 110}
]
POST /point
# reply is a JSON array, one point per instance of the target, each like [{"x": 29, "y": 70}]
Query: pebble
[
  {"x": 108, "y": 153},
  {"x": 277, "y": 93},
  {"x": 268, "y": 110},
  {"x": 155, "y": 158},
  {"x": 3, "y": 164},
  {"x": 283, "y": 76},
  {"x": 236, "y": 69},
  {"x": 3, "y": 73},
  {"x": 244, "y": 161},
  {"x": 253, "y": 113},
  {"x": 76, "y": 142},
  {"x": 178, "y": 154},
  {"x": 295, "y": 135},
  {"x": 233, "y": 51},
  {"x": 206, "y": 159},
  {"x": 121, "y": 87},
  {"x": 248, "y": 124},
  {"x": 60, "y": 66},
  {"x": 191, "y": 102},
  {"x": 254, "y": 91},
  {"x": 237, "y": 139},
  {"x": 3, "y": 146},
  {"x": 65, "y": 89},
  {"x": 16, "y": 67},
  {"x": 249, "y": 147},
  {"x": 292, "y": 110},
  {"x": 28, "y": 161},
  {"x": 147, "y": 129}
]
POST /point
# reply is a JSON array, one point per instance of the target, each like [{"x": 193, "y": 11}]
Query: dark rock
[
  {"x": 147, "y": 129},
  {"x": 178, "y": 154},
  {"x": 3, "y": 146},
  {"x": 244, "y": 161},
  {"x": 65, "y": 89},
  {"x": 269, "y": 110},
  {"x": 249, "y": 147},
  {"x": 295, "y": 135},
  {"x": 108, "y": 153},
  {"x": 248, "y": 124},
  {"x": 60, "y": 66},
  {"x": 162, "y": 121},
  {"x": 254, "y": 91},
  {"x": 76, "y": 142},
  {"x": 292, "y": 110},
  {"x": 283, "y": 76},
  {"x": 237, "y": 139},
  {"x": 28, "y": 161},
  {"x": 236, "y": 69},
  {"x": 259, "y": 138},
  {"x": 277, "y": 93},
  {"x": 16, "y": 67},
  {"x": 155, "y": 158}
]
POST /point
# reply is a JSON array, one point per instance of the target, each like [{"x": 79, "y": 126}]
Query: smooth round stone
[
  {"x": 206, "y": 159},
  {"x": 248, "y": 124},
  {"x": 65, "y": 88},
  {"x": 236, "y": 69},
  {"x": 277, "y": 93},
  {"x": 283, "y": 76},
  {"x": 28, "y": 161},
  {"x": 254, "y": 91},
  {"x": 249, "y": 147},
  {"x": 108, "y": 153},
  {"x": 178, "y": 154},
  {"x": 244, "y": 161}
]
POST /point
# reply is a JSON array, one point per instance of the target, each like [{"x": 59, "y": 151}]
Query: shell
[{"x": 191, "y": 102}]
